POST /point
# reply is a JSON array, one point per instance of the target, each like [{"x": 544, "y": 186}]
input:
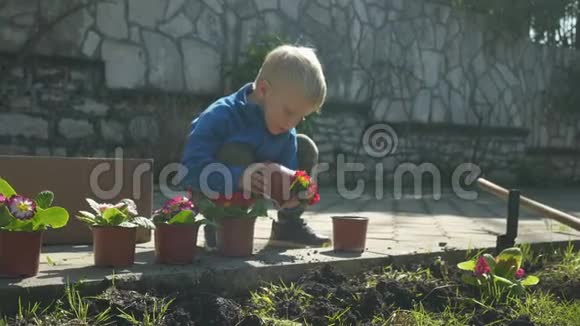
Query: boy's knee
[
  {"x": 307, "y": 153},
  {"x": 236, "y": 154}
]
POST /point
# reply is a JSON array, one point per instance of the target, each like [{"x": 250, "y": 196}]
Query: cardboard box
[{"x": 74, "y": 179}]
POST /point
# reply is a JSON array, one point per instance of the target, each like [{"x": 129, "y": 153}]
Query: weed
[
  {"x": 150, "y": 318},
  {"x": 336, "y": 319},
  {"x": 420, "y": 274},
  {"x": 419, "y": 316},
  {"x": 77, "y": 308},
  {"x": 544, "y": 309},
  {"x": 566, "y": 267},
  {"x": 266, "y": 298},
  {"x": 29, "y": 312}
]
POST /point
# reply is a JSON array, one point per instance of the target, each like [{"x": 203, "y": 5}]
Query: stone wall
[
  {"x": 441, "y": 149},
  {"x": 417, "y": 64},
  {"x": 53, "y": 107}
]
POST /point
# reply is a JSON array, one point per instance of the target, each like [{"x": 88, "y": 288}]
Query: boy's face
[{"x": 285, "y": 105}]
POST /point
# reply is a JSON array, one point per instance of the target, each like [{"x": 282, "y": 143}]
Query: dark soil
[
  {"x": 335, "y": 293},
  {"x": 357, "y": 299}
]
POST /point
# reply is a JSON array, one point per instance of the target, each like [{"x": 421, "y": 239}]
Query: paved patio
[
  {"x": 428, "y": 224},
  {"x": 398, "y": 228}
]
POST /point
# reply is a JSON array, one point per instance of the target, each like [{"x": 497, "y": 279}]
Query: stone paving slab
[{"x": 396, "y": 227}]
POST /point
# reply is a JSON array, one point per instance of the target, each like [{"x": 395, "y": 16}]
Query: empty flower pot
[
  {"x": 349, "y": 233},
  {"x": 235, "y": 237},
  {"x": 114, "y": 246},
  {"x": 175, "y": 244},
  {"x": 19, "y": 253}
]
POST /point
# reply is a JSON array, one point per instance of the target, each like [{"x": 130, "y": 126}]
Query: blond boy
[{"x": 257, "y": 124}]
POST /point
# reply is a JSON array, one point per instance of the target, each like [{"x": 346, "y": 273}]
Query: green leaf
[
  {"x": 143, "y": 222},
  {"x": 19, "y": 225},
  {"x": 44, "y": 199},
  {"x": 502, "y": 281},
  {"x": 113, "y": 216},
  {"x": 470, "y": 279},
  {"x": 530, "y": 280},
  {"x": 87, "y": 214},
  {"x": 205, "y": 205},
  {"x": 50, "y": 261},
  {"x": 183, "y": 217},
  {"x": 55, "y": 217},
  {"x": 6, "y": 189},
  {"x": 259, "y": 209},
  {"x": 88, "y": 220},
  {"x": 128, "y": 225},
  {"x": 94, "y": 205},
  {"x": 87, "y": 217},
  {"x": 467, "y": 265},
  {"x": 508, "y": 262},
  {"x": 130, "y": 206},
  {"x": 490, "y": 261},
  {"x": 5, "y": 216}
]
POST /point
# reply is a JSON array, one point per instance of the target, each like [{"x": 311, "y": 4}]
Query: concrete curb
[{"x": 224, "y": 276}]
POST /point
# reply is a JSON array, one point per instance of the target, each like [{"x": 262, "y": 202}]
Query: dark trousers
[{"x": 243, "y": 155}]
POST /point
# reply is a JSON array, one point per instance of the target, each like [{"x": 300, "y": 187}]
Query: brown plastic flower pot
[
  {"x": 235, "y": 237},
  {"x": 19, "y": 253},
  {"x": 349, "y": 233},
  {"x": 114, "y": 246},
  {"x": 175, "y": 244}
]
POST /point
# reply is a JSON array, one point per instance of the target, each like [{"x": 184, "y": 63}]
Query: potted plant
[
  {"x": 176, "y": 228},
  {"x": 235, "y": 218},
  {"x": 114, "y": 228},
  {"x": 22, "y": 223}
]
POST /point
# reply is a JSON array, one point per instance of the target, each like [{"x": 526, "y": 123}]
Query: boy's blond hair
[{"x": 299, "y": 65}]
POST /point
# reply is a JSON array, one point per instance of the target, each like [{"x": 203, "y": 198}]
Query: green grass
[
  {"x": 564, "y": 265},
  {"x": 337, "y": 319},
  {"x": 391, "y": 273},
  {"x": 545, "y": 309},
  {"x": 570, "y": 264},
  {"x": 279, "y": 322},
  {"x": 418, "y": 316},
  {"x": 150, "y": 318},
  {"x": 265, "y": 298}
]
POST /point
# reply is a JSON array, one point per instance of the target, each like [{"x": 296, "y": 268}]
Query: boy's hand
[{"x": 254, "y": 180}]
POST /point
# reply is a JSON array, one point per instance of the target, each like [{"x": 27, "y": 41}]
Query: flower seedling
[
  {"x": 178, "y": 210},
  {"x": 122, "y": 214},
  {"x": 503, "y": 273},
  {"x": 20, "y": 213},
  {"x": 304, "y": 188},
  {"x": 235, "y": 206}
]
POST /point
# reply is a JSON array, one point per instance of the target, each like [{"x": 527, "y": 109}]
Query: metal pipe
[{"x": 547, "y": 211}]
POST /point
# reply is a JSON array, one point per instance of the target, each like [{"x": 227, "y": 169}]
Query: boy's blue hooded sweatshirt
[{"x": 233, "y": 119}]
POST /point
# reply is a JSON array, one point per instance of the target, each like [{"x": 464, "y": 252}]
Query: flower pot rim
[
  {"x": 350, "y": 218},
  {"x": 28, "y": 232},
  {"x": 236, "y": 218},
  {"x": 176, "y": 225},
  {"x": 113, "y": 227}
]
